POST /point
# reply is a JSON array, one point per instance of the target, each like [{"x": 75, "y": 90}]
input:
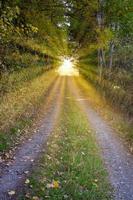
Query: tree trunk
[
  {"x": 101, "y": 55},
  {"x": 103, "y": 58}
]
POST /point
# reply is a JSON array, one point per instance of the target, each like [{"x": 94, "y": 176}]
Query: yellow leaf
[{"x": 55, "y": 184}]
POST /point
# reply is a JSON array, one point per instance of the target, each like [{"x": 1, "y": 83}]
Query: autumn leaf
[
  {"x": 55, "y": 184},
  {"x": 12, "y": 192}
]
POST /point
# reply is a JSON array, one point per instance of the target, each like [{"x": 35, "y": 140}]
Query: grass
[
  {"x": 71, "y": 168},
  {"x": 9, "y": 138},
  {"x": 115, "y": 86},
  {"x": 21, "y": 96},
  {"x": 13, "y": 81},
  {"x": 101, "y": 104}
]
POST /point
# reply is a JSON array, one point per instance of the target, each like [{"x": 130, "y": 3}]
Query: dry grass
[
  {"x": 23, "y": 95},
  {"x": 122, "y": 124},
  {"x": 115, "y": 86}
]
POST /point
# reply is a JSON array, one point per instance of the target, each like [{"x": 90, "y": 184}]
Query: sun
[{"x": 67, "y": 68}]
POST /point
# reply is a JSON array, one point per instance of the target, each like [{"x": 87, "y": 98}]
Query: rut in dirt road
[
  {"x": 118, "y": 160},
  {"x": 14, "y": 176}
]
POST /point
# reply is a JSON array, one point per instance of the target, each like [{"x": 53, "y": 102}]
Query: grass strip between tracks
[{"x": 71, "y": 168}]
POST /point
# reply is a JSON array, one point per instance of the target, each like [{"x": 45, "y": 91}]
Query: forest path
[
  {"x": 14, "y": 176},
  {"x": 118, "y": 161}
]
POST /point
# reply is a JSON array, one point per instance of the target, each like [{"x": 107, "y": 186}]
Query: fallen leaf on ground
[
  {"x": 49, "y": 185},
  {"x": 65, "y": 196},
  {"x": 1, "y": 160},
  {"x": 54, "y": 184},
  {"x": 12, "y": 192},
  {"x": 27, "y": 181},
  {"x": 26, "y": 172},
  {"x": 7, "y": 155},
  {"x": 35, "y": 198},
  {"x": 27, "y": 195}
]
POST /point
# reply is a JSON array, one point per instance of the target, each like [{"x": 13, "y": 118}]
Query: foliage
[
  {"x": 102, "y": 34},
  {"x": 41, "y": 34}
]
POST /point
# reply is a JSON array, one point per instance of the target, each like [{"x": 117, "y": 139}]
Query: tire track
[
  {"x": 14, "y": 176},
  {"x": 118, "y": 161}
]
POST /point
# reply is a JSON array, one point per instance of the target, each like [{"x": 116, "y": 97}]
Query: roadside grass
[
  {"x": 14, "y": 80},
  {"x": 115, "y": 85},
  {"x": 24, "y": 94},
  {"x": 9, "y": 138},
  {"x": 71, "y": 167},
  {"x": 120, "y": 122}
]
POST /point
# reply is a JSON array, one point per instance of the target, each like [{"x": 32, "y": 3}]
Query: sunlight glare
[{"x": 67, "y": 68}]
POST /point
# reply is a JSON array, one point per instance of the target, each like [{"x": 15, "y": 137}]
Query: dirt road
[{"x": 118, "y": 161}]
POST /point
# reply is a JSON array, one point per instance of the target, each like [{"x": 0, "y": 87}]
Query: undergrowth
[{"x": 115, "y": 85}]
